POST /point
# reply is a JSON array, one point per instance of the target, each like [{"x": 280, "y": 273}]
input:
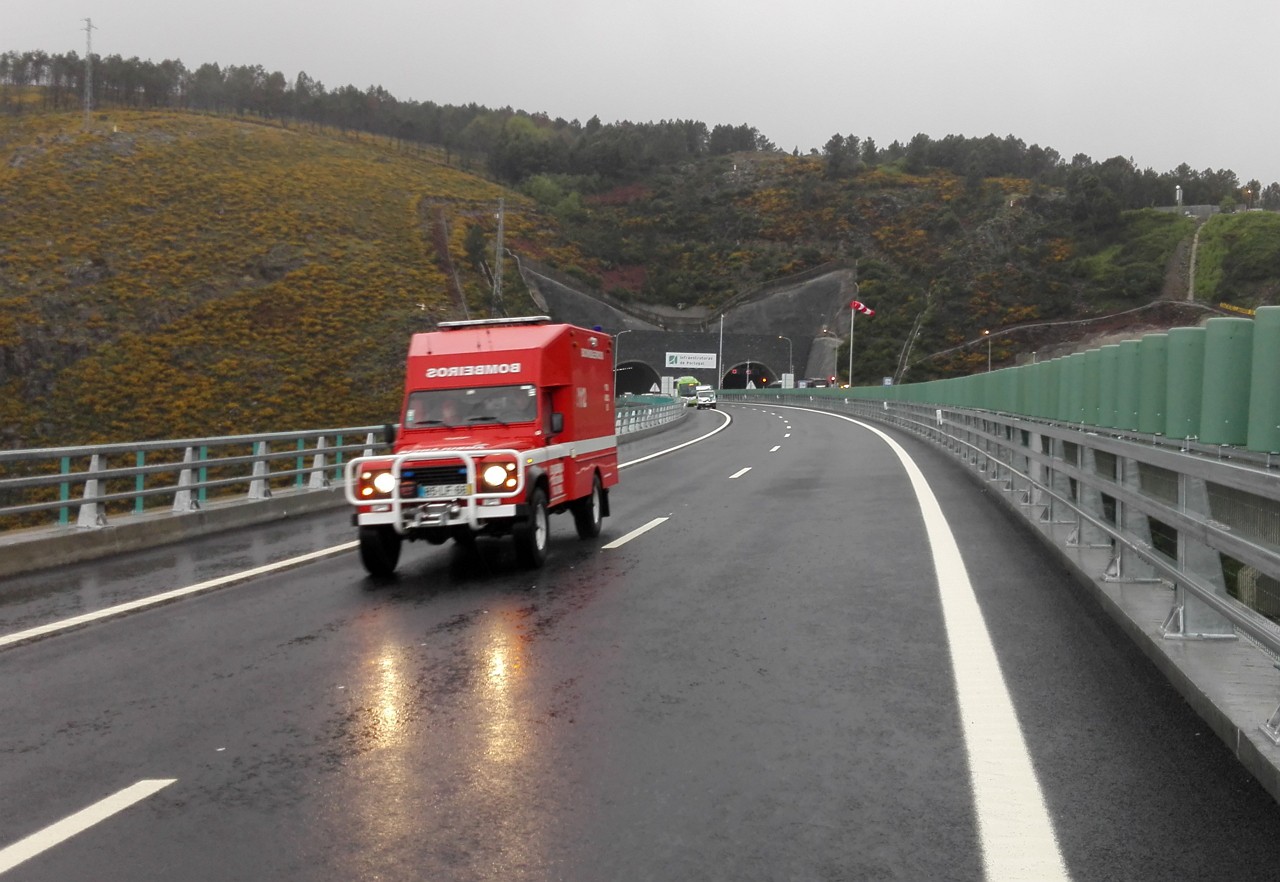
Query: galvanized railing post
[
  {"x": 64, "y": 492},
  {"x": 139, "y": 481},
  {"x": 1190, "y": 616}
]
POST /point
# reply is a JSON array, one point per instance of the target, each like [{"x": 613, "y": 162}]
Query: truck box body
[{"x": 534, "y": 397}]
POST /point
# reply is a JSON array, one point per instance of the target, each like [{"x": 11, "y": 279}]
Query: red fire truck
[{"x": 504, "y": 422}]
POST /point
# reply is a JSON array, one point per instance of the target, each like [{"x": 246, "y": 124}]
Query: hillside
[
  {"x": 172, "y": 274},
  {"x": 940, "y": 258}
]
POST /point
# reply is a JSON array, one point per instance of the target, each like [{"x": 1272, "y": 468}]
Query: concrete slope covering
[{"x": 811, "y": 310}]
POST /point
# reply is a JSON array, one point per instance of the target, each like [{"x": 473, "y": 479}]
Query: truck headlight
[
  {"x": 376, "y": 483},
  {"x": 499, "y": 476}
]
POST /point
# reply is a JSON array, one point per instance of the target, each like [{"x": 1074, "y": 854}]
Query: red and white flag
[{"x": 862, "y": 308}]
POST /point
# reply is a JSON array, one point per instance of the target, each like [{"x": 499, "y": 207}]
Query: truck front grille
[{"x": 413, "y": 477}]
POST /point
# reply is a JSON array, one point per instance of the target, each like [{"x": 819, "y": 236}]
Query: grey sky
[{"x": 1159, "y": 81}]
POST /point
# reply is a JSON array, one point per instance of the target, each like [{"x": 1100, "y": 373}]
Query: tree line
[{"x": 516, "y": 145}]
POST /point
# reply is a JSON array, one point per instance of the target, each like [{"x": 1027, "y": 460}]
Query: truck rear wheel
[
  {"x": 379, "y": 549},
  {"x": 531, "y": 536},
  {"x": 588, "y": 512}
]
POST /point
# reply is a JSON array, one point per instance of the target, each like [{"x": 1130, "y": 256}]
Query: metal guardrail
[
  {"x": 1194, "y": 518},
  {"x": 91, "y": 483},
  {"x": 647, "y": 415}
]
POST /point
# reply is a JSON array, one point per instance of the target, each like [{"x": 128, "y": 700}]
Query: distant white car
[{"x": 705, "y": 396}]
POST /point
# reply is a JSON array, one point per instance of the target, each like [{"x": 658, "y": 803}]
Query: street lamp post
[
  {"x": 791, "y": 362},
  {"x": 616, "y": 337},
  {"x": 987, "y": 334}
]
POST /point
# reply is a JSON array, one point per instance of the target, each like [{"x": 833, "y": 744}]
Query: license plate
[{"x": 433, "y": 490}]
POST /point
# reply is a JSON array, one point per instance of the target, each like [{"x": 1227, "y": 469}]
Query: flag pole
[{"x": 853, "y": 314}]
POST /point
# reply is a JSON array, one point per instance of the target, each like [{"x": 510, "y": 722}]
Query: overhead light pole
[
  {"x": 987, "y": 334},
  {"x": 791, "y": 362},
  {"x": 616, "y": 338}
]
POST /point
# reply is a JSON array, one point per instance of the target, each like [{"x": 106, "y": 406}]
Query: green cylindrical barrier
[
  {"x": 1185, "y": 384},
  {"x": 1153, "y": 380},
  {"x": 1108, "y": 385},
  {"x": 1264, "y": 390},
  {"x": 1228, "y": 367},
  {"x": 1092, "y": 381},
  {"x": 1127, "y": 361}
]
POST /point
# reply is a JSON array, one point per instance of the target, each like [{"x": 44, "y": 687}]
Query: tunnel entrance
[
  {"x": 754, "y": 371},
  {"x": 635, "y": 378}
]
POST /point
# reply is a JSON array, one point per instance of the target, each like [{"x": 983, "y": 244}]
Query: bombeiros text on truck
[{"x": 504, "y": 422}]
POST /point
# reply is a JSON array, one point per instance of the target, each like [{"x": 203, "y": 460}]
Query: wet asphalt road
[{"x": 757, "y": 688}]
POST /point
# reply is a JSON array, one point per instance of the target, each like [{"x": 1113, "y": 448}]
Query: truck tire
[
  {"x": 588, "y": 512},
  {"x": 379, "y": 549},
  {"x": 531, "y": 536}
]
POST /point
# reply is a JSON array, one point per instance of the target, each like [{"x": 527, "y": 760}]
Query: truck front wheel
[
  {"x": 531, "y": 536},
  {"x": 379, "y": 549},
  {"x": 588, "y": 512}
]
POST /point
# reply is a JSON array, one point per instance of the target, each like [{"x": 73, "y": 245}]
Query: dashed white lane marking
[
  {"x": 145, "y": 602},
  {"x": 1018, "y": 840},
  {"x": 788, "y": 435},
  {"x": 739, "y": 473},
  {"x": 775, "y": 448},
  {"x": 82, "y": 820},
  {"x": 638, "y": 531}
]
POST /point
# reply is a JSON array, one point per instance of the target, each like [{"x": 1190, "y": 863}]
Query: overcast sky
[{"x": 1159, "y": 81}]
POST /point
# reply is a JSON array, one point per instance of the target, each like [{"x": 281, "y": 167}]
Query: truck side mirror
[
  {"x": 557, "y": 423},
  {"x": 389, "y": 433}
]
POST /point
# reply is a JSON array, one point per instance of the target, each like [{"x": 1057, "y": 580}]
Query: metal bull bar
[{"x": 467, "y": 505}]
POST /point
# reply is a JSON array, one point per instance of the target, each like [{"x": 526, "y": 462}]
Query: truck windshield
[{"x": 500, "y": 405}]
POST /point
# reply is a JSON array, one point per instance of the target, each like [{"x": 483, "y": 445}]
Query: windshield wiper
[{"x": 487, "y": 419}]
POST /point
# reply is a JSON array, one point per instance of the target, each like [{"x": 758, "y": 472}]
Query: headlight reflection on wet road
[
  {"x": 505, "y": 732},
  {"x": 389, "y": 717}
]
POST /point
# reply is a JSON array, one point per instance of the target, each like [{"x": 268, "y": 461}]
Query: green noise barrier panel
[
  {"x": 1153, "y": 371},
  {"x": 1108, "y": 381},
  {"x": 1127, "y": 361},
  {"x": 1264, "y": 388},
  {"x": 1185, "y": 386},
  {"x": 1216, "y": 384},
  {"x": 1228, "y": 366}
]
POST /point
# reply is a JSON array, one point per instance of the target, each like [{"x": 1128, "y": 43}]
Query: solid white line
[
  {"x": 82, "y": 820},
  {"x": 143, "y": 603},
  {"x": 638, "y": 531},
  {"x": 1018, "y": 839},
  {"x": 775, "y": 448},
  {"x": 727, "y": 419},
  {"x": 739, "y": 473}
]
